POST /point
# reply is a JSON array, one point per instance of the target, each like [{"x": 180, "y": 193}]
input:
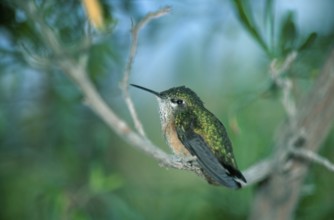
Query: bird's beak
[{"x": 148, "y": 90}]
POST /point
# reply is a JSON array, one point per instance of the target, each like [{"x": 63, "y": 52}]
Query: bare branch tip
[
  {"x": 313, "y": 157},
  {"x": 167, "y": 9}
]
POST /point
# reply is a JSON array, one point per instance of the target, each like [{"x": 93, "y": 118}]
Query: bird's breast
[{"x": 173, "y": 140}]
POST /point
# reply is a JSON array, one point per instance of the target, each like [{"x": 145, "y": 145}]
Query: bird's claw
[{"x": 188, "y": 159}]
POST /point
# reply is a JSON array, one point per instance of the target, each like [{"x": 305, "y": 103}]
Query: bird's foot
[{"x": 187, "y": 159}]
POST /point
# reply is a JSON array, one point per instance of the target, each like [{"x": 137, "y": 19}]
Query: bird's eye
[{"x": 177, "y": 101}]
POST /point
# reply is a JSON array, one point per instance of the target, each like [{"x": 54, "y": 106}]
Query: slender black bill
[{"x": 148, "y": 90}]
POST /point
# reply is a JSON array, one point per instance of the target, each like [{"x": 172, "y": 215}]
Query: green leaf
[
  {"x": 288, "y": 34},
  {"x": 100, "y": 182},
  {"x": 246, "y": 19},
  {"x": 308, "y": 42}
]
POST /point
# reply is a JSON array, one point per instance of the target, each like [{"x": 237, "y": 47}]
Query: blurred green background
[{"x": 59, "y": 161}]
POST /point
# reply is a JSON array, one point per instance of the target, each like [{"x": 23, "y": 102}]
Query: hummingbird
[{"x": 192, "y": 131}]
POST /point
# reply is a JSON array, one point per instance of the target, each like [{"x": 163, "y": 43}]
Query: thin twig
[
  {"x": 284, "y": 83},
  {"x": 134, "y": 34},
  {"x": 313, "y": 157},
  {"x": 133, "y": 50}
]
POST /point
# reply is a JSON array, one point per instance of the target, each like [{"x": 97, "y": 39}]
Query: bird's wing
[{"x": 207, "y": 160}]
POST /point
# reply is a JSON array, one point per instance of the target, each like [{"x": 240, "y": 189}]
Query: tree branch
[
  {"x": 313, "y": 157},
  {"x": 276, "y": 71},
  {"x": 277, "y": 197},
  {"x": 258, "y": 172},
  {"x": 133, "y": 50}
]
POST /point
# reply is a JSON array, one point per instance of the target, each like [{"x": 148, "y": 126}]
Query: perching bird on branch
[{"x": 194, "y": 132}]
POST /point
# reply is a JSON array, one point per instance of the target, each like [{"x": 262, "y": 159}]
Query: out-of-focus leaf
[
  {"x": 7, "y": 15},
  {"x": 308, "y": 42},
  {"x": 288, "y": 34},
  {"x": 100, "y": 55},
  {"x": 269, "y": 10},
  {"x": 249, "y": 24},
  {"x": 99, "y": 14},
  {"x": 234, "y": 125},
  {"x": 94, "y": 13},
  {"x": 100, "y": 182},
  {"x": 60, "y": 203}
]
